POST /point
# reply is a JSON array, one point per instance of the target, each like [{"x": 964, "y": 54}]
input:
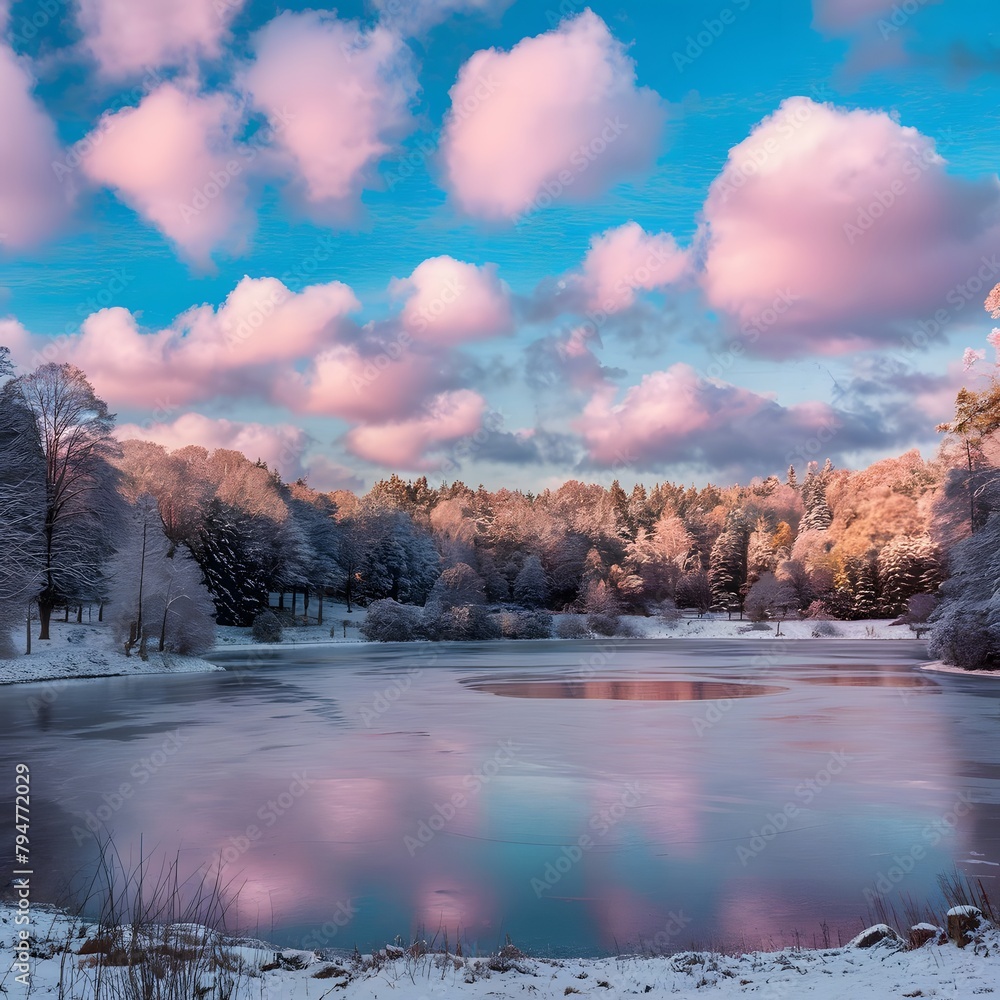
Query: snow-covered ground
[
  {"x": 256, "y": 970},
  {"x": 87, "y": 650}
]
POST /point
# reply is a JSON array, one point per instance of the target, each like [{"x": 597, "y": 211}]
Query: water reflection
[
  {"x": 667, "y": 763},
  {"x": 623, "y": 690}
]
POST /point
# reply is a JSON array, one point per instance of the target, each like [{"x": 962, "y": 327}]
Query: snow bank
[
  {"x": 86, "y": 650},
  {"x": 930, "y": 970}
]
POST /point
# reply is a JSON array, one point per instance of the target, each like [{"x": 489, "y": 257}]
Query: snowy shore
[
  {"x": 257, "y": 970},
  {"x": 85, "y": 650}
]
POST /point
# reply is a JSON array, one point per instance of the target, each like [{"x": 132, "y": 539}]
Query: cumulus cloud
[
  {"x": 207, "y": 352},
  {"x": 326, "y": 475},
  {"x": 625, "y": 260},
  {"x": 337, "y": 99},
  {"x": 559, "y": 113},
  {"x": 17, "y": 339},
  {"x": 175, "y": 161},
  {"x": 449, "y": 302},
  {"x": 407, "y": 444},
  {"x": 828, "y": 225},
  {"x": 414, "y": 17},
  {"x": 126, "y": 37},
  {"x": 677, "y": 416},
  {"x": 567, "y": 359},
  {"x": 33, "y": 203},
  {"x": 371, "y": 379},
  {"x": 280, "y": 445}
]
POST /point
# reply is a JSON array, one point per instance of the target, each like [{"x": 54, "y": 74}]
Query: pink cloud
[
  {"x": 337, "y": 99},
  {"x": 208, "y": 352},
  {"x": 625, "y": 260},
  {"x": 559, "y": 113},
  {"x": 363, "y": 382},
  {"x": 827, "y": 225},
  {"x": 324, "y": 474},
  {"x": 33, "y": 203},
  {"x": 175, "y": 161},
  {"x": 280, "y": 445},
  {"x": 415, "y": 16},
  {"x": 128, "y": 37},
  {"x": 677, "y": 415},
  {"x": 449, "y": 302},
  {"x": 17, "y": 339},
  {"x": 405, "y": 444}
]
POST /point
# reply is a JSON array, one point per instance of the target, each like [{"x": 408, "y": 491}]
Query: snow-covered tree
[
  {"x": 728, "y": 564},
  {"x": 83, "y": 509},
  {"x": 231, "y": 557},
  {"x": 22, "y": 512},
  {"x": 771, "y": 598},
  {"x": 531, "y": 585},
  {"x": 157, "y": 597}
]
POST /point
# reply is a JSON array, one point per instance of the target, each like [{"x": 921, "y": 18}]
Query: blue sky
[{"x": 718, "y": 70}]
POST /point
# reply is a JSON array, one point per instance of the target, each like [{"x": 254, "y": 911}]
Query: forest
[{"x": 167, "y": 545}]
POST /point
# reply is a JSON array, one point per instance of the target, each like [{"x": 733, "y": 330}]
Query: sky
[{"x": 504, "y": 241}]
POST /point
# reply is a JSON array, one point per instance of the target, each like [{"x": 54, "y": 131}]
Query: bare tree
[{"x": 82, "y": 506}]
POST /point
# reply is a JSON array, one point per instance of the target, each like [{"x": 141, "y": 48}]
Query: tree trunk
[
  {"x": 319, "y": 615},
  {"x": 163, "y": 626},
  {"x": 44, "y": 616},
  {"x": 79, "y": 614},
  {"x": 27, "y": 630},
  {"x": 305, "y": 604},
  {"x": 281, "y": 600},
  {"x": 100, "y": 612},
  {"x": 347, "y": 591},
  {"x": 294, "y": 596},
  {"x": 66, "y": 618}
]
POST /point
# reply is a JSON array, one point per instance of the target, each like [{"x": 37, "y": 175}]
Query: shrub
[
  {"x": 572, "y": 627},
  {"x": 963, "y": 638},
  {"x": 525, "y": 624},
  {"x": 825, "y": 630},
  {"x": 266, "y": 627},
  {"x": 464, "y": 623},
  {"x": 389, "y": 621},
  {"x": 603, "y": 623}
]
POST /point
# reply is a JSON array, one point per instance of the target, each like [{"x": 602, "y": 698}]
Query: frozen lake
[{"x": 647, "y": 795}]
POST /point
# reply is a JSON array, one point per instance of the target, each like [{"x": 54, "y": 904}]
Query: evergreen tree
[
  {"x": 231, "y": 560},
  {"x": 531, "y": 586}
]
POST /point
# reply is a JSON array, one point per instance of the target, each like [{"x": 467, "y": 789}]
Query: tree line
[{"x": 171, "y": 543}]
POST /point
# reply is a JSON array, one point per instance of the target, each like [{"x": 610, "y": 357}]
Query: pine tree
[
  {"x": 231, "y": 561},
  {"x": 531, "y": 586},
  {"x": 818, "y": 515},
  {"x": 728, "y": 562}
]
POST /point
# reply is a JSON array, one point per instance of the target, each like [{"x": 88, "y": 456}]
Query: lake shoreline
[
  {"x": 266, "y": 969},
  {"x": 78, "y": 652}
]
